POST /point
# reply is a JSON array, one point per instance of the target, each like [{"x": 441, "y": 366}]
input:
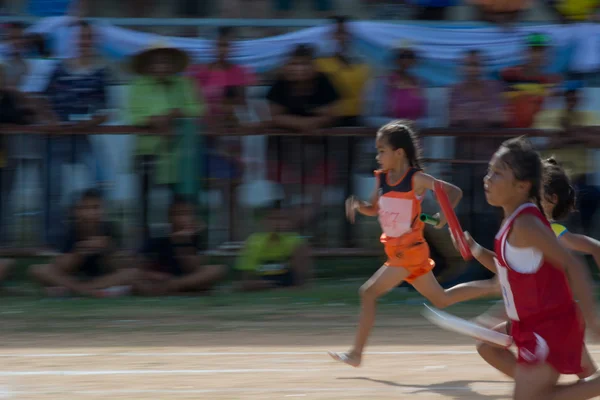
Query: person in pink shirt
[
  {"x": 221, "y": 82},
  {"x": 223, "y": 87},
  {"x": 405, "y": 97}
]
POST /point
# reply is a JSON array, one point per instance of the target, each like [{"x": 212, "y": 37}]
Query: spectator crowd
[
  {"x": 168, "y": 94},
  {"x": 432, "y": 10}
]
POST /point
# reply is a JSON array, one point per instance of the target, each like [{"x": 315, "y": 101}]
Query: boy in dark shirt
[
  {"x": 302, "y": 98},
  {"x": 172, "y": 264},
  {"x": 90, "y": 264}
]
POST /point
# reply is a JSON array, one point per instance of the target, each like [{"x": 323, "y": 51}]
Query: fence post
[{"x": 189, "y": 158}]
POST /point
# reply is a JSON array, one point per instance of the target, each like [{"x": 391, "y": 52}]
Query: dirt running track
[{"x": 408, "y": 361}]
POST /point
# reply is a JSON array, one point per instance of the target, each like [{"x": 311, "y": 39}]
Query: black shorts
[
  {"x": 280, "y": 280},
  {"x": 92, "y": 269}
]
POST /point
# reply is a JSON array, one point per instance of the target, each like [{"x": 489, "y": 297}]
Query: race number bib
[{"x": 507, "y": 294}]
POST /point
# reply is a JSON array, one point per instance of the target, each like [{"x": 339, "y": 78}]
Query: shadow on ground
[{"x": 455, "y": 389}]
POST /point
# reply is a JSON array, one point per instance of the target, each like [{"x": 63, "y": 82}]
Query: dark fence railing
[{"x": 317, "y": 171}]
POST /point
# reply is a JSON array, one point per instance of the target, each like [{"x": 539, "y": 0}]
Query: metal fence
[{"x": 316, "y": 172}]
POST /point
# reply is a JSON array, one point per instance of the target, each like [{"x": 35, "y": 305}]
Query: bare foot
[{"x": 349, "y": 358}]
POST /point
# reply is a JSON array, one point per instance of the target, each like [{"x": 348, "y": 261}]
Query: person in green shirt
[
  {"x": 161, "y": 99},
  {"x": 157, "y": 98},
  {"x": 276, "y": 257}
]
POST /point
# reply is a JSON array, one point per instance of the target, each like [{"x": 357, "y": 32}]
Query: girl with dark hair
[
  {"x": 557, "y": 200},
  {"x": 401, "y": 186},
  {"x": 538, "y": 277}
]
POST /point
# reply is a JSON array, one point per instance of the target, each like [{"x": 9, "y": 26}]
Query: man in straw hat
[{"x": 159, "y": 97}]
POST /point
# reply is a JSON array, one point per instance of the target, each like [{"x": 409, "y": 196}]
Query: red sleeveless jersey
[{"x": 531, "y": 290}]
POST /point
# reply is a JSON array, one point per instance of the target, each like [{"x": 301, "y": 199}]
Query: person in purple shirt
[
  {"x": 476, "y": 102},
  {"x": 405, "y": 97}
]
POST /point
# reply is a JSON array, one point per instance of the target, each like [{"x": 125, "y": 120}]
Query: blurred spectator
[
  {"x": 574, "y": 10},
  {"x": 348, "y": 75},
  {"x": 28, "y": 65},
  {"x": 77, "y": 94},
  {"x": 476, "y": 102},
  {"x": 425, "y": 10},
  {"x": 6, "y": 267},
  {"x": 285, "y": 8},
  {"x": 128, "y": 8},
  {"x": 571, "y": 147},
  {"x": 528, "y": 85},
  {"x": 194, "y": 9},
  {"x": 16, "y": 52},
  {"x": 140, "y": 8},
  {"x": 245, "y": 8},
  {"x": 13, "y": 111},
  {"x": 158, "y": 97},
  {"x": 433, "y": 10},
  {"x": 49, "y": 8},
  {"x": 389, "y": 9},
  {"x": 405, "y": 97},
  {"x": 90, "y": 264},
  {"x": 275, "y": 258},
  {"x": 302, "y": 100},
  {"x": 40, "y": 68},
  {"x": 38, "y": 48},
  {"x": 505, "y": 12},
  {"x": 172, "y": 264},
  {"x": 27, "y": 152},
  {"x": 223, "y": 86},
  {"x": 569, "y": 118}
]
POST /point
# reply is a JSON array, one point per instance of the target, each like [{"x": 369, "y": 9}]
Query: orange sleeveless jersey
[{"x": 402, "y": 237}]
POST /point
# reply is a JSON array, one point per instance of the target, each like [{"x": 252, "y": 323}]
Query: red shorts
[{"x": 557, "y": 340}]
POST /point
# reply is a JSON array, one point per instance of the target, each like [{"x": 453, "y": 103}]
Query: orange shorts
[{"x": 414, "y": 258}]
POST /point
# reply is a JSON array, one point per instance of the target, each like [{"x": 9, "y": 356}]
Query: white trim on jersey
[
  {"x": 524, "y": 260},
  {"x": 507, "y": 294},
  {"x": 512, "y": 216}
]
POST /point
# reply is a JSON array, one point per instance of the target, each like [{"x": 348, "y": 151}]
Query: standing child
[
  {"x": 401, "y": 186},
  {"x": 534, "y": 271},
  {"x": 558, "y": 200}
]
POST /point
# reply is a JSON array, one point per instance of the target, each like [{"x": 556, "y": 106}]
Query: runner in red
[{"x": 537, "y": 275}]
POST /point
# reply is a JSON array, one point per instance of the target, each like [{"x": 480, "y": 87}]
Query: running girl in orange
[
  {"x": 557, "y": 201},
  {"x": 401, "y": 186}
]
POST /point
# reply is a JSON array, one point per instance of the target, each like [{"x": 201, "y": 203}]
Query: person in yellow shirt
[
  {"x": 274, "y": 258},
  {"x": 571, "y": 117},
  {"x": 349, "y": 77},
  {"x": 576, "y": 10},
  {"x": 573, "y": 155}
]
